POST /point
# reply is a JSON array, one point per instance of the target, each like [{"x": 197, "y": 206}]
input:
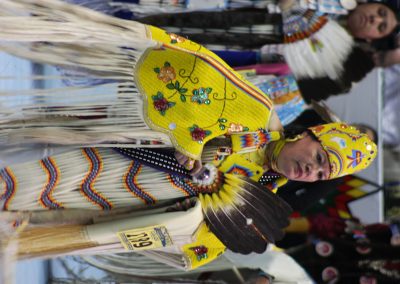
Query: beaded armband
[{"x": 250, "y": 141}]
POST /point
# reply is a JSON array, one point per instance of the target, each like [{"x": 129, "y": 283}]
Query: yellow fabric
[
  {"x": 236, "y": 164},
  {"x": 280, "y": 182},
  {"x": 273, "y": 247},
  {"x": 205, "y": 249},
  {"x": 249, "y": 164},
  {"x": 193, "y": 96},
  {"x": 349, "y": 151},
  {"x": 298, "y": 225}
]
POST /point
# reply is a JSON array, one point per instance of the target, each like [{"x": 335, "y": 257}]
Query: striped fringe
[{"x": 89, "y": 178}]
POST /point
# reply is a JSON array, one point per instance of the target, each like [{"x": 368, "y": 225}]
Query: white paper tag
[
  {"x": 145, "y": 238},
  {"x": 205, "y": 4}
]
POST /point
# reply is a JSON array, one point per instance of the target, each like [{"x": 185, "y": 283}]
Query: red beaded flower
[
  {"x": 161, "y": 104},
  {"x": 198, "y": 134}
]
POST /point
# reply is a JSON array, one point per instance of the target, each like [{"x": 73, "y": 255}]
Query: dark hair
[
  {"x": 388, "y": 42},
  {"x": 292, "y": 131},
  {"x": 363, "y": 129},
  {"x": 358, "y": 64}
]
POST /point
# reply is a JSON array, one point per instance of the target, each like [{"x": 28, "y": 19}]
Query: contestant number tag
[{"x": 145, "y": 238}]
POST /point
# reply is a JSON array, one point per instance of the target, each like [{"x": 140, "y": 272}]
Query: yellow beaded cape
[{"x": 193, "y": 96}]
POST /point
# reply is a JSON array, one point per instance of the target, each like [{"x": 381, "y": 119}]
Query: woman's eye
[
  {"x": 319, "y": 158},
  {"x": 382, "y": 12}
]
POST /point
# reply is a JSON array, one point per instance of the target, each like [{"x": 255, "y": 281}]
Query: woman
[
  {"x": 189, "y": 98},
  {"x": 365, "y": 21},
  {"x": 104, "y": 179},
  {"x": 331, "y": 61}
]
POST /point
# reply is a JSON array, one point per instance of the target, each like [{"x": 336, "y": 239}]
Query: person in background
[
  {"x": 346, "y": 251},
  {"x": 249, "y": 28}
]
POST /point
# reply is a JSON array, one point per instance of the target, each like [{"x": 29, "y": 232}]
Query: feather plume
[{"x": 245, "y": 216}]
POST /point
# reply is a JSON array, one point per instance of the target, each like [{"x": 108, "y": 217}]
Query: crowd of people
[{"x": 175, "y": 126}]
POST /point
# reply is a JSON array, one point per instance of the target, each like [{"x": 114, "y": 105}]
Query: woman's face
[
  {"x": 304, "y": 160},
  {"x": 371, "y": 21}
]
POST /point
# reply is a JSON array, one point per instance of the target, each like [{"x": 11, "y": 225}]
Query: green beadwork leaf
[
  {"x": 183, "y": 90},
  {"x": 221, "y": 126},
  {"x": 207, "y": 132},
  {"x": 157, "y": 70},
  {"x": 174, "y": 41},
  {"x": 167, "y": 64},
  {"x": 183, "y": 98},
  {"x": 171, "y": 86},
  {"x": 177, "y": 85},
  {"x": 208, "y": 90}
]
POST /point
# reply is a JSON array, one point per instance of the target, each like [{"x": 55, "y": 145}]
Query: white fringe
[
  {"x": 73, "y": 168},
  {"x": 327, "y": 61},
  {"x": 102, "y": 48}
]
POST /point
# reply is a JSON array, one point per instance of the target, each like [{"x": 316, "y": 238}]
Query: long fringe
[
  {"x": 112, "y": 183},
  {"x": 100, "y": 236},
  {"x": 11, "y": 224},
  {"x": 48, "y": 241},
  {"x": 97, "y": 46}
]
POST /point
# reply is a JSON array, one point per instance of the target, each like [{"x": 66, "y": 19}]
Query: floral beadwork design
[
  {"x": 165, "y": 73},
  {"x": 176, "y": 38},
  {"x": 181, "y": 90},
  {"x": 177, "y": 83},
  {"x": 237, "y": 127},
  {"x": 161, "y": 104},
  {"x": 200, "y": 252},
  {"x": 198, "y": 134},
  {"x": 200, "y": 95}
]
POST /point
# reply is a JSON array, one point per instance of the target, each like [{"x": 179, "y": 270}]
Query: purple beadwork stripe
[
  {"x": 10, "y": 182},
  {"x": 133, "y": 187},
  {"x": 53, "y": 174},
  {"x": 87, "y": 186},
  {"x": 182, "y": 185}
]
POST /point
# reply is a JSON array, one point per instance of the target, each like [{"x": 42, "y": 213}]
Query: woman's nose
[{"x": 375, "y": 19}]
